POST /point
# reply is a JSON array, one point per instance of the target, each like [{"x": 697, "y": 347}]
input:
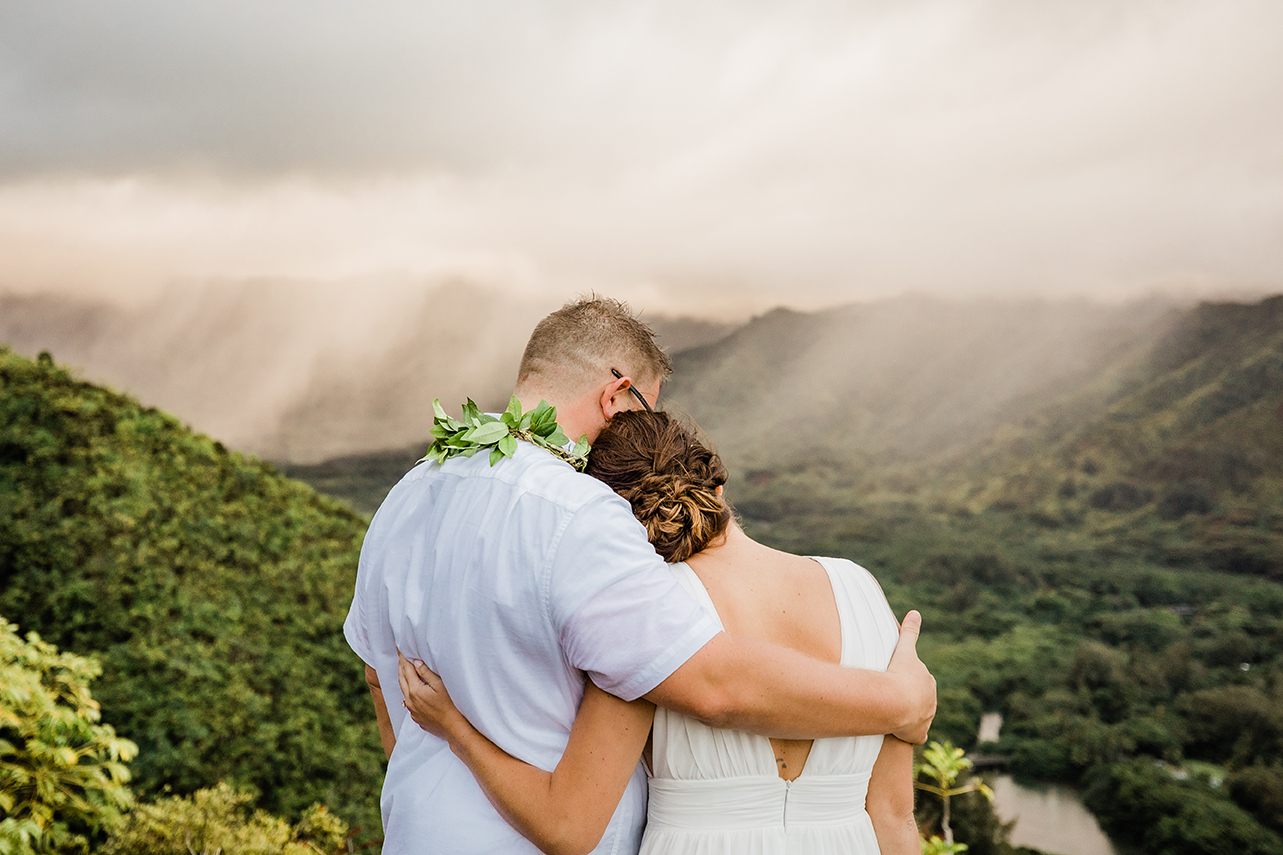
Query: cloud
[{"x": 723, "y": 154}]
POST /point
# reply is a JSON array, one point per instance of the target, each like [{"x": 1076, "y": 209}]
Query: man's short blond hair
[{"x": 586, "y": 338}]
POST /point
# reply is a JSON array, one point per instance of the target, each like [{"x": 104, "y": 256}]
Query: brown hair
[
  {"x": 590, "y": 336},
  {"x": 668, "y": 476}
]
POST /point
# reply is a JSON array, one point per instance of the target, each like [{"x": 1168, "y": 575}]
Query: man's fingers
[{"x": 911, "y": 627}]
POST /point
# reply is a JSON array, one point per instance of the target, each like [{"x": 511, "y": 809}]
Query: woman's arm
[
  {"x": 890, "y": 799},
  {"x": 563, "y": 812}
]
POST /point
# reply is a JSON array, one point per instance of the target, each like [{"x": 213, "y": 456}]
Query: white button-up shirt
[{"x": 510, "y": 582}]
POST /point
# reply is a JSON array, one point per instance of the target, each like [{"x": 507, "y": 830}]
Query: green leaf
[
  {"x": 508, "y": 445},
  {"x": 471, "y": 414},
  {"x": 581, "y": 447},
  {"x": 543, "y": 414},
  {"x": 496, "y": 454},
  {"x": 439, "y": 411},
  {"x": 558, "y": 439},
  {"x": 487, "y": 434},
  {"x": 514, "y": 409}
]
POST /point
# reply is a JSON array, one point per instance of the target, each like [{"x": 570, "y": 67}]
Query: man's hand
[{"x": 919, "y": 685}]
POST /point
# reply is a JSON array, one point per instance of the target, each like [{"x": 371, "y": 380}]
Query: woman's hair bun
[{"x": 668, "y": 476}]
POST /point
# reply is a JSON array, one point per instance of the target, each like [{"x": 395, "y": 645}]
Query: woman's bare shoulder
[{"x": 774, "y": 596}]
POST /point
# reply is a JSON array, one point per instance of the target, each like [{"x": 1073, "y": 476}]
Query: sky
[{"x": 695, "y": 157}]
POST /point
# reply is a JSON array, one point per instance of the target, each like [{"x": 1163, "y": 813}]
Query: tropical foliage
[
  {"x": 943, "y": 764},
  {"x": 221, "y": 820},
  {"x": 62, "y": 772}
]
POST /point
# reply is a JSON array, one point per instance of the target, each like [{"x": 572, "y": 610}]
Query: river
[{"x": 1049, "y": 817}]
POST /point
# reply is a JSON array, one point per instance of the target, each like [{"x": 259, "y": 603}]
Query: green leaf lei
[{"x": 476, "y": 430}]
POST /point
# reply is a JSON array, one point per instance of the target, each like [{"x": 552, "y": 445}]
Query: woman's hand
[
  {"x": 563, "y": 812},
  {"x": 427, "y": 699}
]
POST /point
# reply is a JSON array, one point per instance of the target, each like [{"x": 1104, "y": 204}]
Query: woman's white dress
[{"x": 717, "y": 792}]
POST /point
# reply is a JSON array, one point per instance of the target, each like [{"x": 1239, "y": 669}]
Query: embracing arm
[
  {"x": 746, "y": 684},
  {"x": 565, "y": 811},
  {"x": 890, "y": 799},
  {"x": 386, "y": 735}
]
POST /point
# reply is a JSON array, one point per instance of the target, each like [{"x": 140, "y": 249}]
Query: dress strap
[
  {"x": 696, "y": 589},
  {"x": 869, "y": 629}
]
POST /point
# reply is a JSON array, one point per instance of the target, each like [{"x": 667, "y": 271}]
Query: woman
[{"x": 712, "y": 792}]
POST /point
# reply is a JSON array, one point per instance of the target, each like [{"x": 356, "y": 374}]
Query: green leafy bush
[
  {"x": 221, "y": 821},
  {"x": 62, "y": 773}
]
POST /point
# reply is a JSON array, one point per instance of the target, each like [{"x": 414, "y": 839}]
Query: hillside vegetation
[{"x": 211, "y": 589}]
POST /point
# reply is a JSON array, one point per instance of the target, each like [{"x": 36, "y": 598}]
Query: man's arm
[
  {"x": 386, "y": 735},
  {"x": 747, "y": 684}
]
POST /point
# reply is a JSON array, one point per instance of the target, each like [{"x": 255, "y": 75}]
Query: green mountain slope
[
  {"x": 211, "y": 588},
  {"x": 905, "y": 380},
  {"x": 1189, "y": 452}
]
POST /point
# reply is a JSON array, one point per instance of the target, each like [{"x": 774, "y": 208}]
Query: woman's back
[
  {"x": 721, "y": 791},
  {"x": 774, "y": 596}
]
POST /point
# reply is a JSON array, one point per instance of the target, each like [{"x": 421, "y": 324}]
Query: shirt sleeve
[
  {"x": 354, "y": 629},
  {"x": 620, "y": 614}
]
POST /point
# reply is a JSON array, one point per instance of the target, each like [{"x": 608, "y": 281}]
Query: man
[{"x": 512, "y": 581}]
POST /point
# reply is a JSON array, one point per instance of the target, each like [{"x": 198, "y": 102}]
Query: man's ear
[{"x": 615, "y": 397}]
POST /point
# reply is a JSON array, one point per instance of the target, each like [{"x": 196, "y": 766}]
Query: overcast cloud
[{"x": 691, "y": 155}]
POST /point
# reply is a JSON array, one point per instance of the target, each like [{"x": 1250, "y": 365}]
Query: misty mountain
[
  {"x": 902, "y": 381},
  {"x": 300, "y": 372},
  {"x": 1161, "y": 436},
  {"x": 1187, "y": 457}
]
